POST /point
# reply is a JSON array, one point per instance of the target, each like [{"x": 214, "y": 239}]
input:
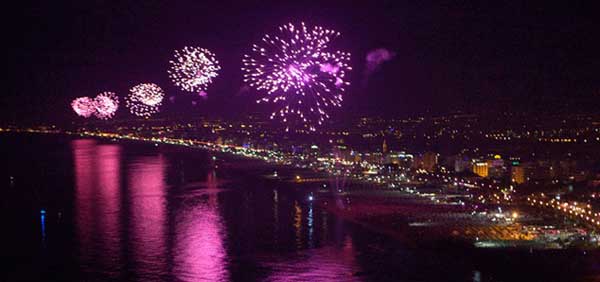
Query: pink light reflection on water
[
  {"x": 83, "y": 159},
  {"x": 109, "y": 201},
  {"x": 331, "y": 263},
  {"x": 148, "y": 219},
  {"x": 97, "y": 202},
  {"x": 199, "y": 249}
]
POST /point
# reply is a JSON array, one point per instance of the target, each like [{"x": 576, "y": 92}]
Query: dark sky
[{"x": 448, "y": 55}]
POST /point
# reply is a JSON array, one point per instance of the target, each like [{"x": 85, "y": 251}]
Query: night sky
[{"x": 448, "y": 56}]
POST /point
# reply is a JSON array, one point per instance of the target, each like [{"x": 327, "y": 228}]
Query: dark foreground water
[{"x": 88, "y": 210}]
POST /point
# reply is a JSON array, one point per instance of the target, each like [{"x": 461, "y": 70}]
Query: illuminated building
[
  {"x": 375, "y": 157},
  {"x": 343, "y": 153},
  {"x": 384, "y": 147},
  {"x": 517, "y": 174},
  {"x": 398, "y": 158},
  {"x": 357, "y": 157},
  {"x": 430, "y": 160},
  {"x": 461, "y": 163},
  {"x": 427, "y": 161},
  {"x": 481, "y": 169},
  {"x": 496, "y": 167}
]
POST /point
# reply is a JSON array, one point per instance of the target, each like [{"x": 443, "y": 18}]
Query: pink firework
[
  {"x": 144, "y": 99},
  {"x": 83, "y": 106},
  {"x": 106, "y": 104},
  {"x": 299, "y": 73}
]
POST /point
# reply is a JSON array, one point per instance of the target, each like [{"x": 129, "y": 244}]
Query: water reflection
[
  {"x": 147, "y": 208},
  {"x": 298, "y": 224},
  {"x": 310, "y": 225},
  {"x": 83, "y": 155},
  {"x": 97, "y": 200},
  {"x": 275, "y": 217},
  {"x": 330, "y": 263},
  {"x": 199, "y": 253},
  {"x": 43, "y": 226},
  {"x": 109, "y": 201},
  {"x": 122, "y": 222},
  {"x": 147, "y": 230}
]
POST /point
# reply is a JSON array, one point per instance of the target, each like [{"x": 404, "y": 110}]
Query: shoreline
[{"x": 389, "y": 216}]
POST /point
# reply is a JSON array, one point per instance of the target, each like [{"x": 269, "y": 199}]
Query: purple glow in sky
[{"x": 375, "y": 58}]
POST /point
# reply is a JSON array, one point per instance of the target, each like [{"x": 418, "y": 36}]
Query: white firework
[{"x": 193, "y": 69}]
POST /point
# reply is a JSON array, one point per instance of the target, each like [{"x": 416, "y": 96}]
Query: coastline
[{"x": 399, "y": 215}]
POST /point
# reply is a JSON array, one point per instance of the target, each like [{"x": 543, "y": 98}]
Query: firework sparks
[
  {"x": 193, "y": 69},
  {"x": 83, "y": 106},
  {"x": 106, "y": 105},
  {"x": 144, "y": 99},
  {"x": 298, "y": 73}
]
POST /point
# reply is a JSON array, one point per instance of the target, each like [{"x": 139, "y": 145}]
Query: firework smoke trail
[
  {"x": 377, "y": 57},
  {"x": 298, "y": 73},
  {"x": 83, "y": 106},
  {"x": 106, "y": 105},
  {"x": 374, "y": 59},
  {"x": 144, "y": 99},
  {"x": 193, "y": 69}
]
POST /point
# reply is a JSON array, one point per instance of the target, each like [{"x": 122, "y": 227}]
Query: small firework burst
[
  {"x": 144, "y": 99},
  {"x": 193, "y": 69},
  {"x": 83, "y": 106},
  {"x": 106, "y": 105},
  {"x": 298, "y": 73}
]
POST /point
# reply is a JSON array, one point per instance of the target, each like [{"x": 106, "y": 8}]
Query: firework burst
[
  {"x": 298, "y": 73},
  {"x": 144, "y": 99},
  {"x": 106, "y": 105},
  {"x": 193, "y": 69},
  {"x": 83, "y": 106}
]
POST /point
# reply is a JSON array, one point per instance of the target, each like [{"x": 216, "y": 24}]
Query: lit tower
[{"x": 384, "y": 147}]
